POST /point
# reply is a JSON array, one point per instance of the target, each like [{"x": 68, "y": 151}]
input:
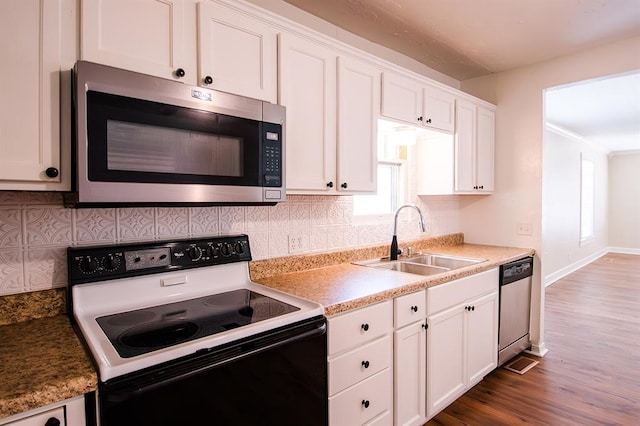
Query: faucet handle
[{"x": 409, "y": 251}]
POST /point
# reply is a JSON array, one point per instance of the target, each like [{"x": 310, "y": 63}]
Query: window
[
  {"x": 387, "y": 199},
  {"x": 392, "y": 153},
  {"x": 587, "y": 200}
]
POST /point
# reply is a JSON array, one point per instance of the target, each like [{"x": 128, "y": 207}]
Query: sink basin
[
  {"x": 443, "y": 261},
  {"x": 422, "y": 263},
  {"x": 411, "y": 268}
]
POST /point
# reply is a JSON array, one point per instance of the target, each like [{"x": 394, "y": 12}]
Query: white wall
[
  {"x": 519, "y": 148},
  {"x": 624, "y": 202},
  {"x": 561, "y": 248}
]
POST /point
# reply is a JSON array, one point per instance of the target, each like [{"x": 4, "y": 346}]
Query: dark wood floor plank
[{"x": 591, "y": 375}]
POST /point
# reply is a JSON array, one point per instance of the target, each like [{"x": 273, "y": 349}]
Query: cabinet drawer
[
  {"x": 41, "y": 419},
  {"x": 352, "y": 367},
  {"x": 385, "y": 419},
  {"x": 358, "y": 327},
  {"x": 362, "y": 402},
  {"x": 444, "y": 296},
  {"x": 409, "y": 308}
]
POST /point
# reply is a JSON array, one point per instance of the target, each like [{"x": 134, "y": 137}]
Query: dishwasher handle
[{"x": 515, "y": 271}]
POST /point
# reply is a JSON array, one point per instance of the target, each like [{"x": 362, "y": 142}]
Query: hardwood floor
[{"x": 591, "y": 374}]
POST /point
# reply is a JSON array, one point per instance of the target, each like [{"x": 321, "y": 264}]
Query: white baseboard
[
  {"x": 552, "y": 278},
  {"x": 538, "y": 350},
  {"x": 623, "y": 250}
]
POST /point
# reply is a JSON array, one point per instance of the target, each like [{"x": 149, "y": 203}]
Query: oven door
[{"x": 277, "y": 378}]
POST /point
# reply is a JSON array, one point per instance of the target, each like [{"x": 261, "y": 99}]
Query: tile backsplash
[{"x": 35, "y": 229}]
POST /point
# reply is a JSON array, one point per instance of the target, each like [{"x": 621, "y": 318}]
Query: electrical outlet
[
  {"x": 524, "y": 229},
  {"x": 297, "y": 243}
]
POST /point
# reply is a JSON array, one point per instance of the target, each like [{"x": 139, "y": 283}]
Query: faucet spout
[{"x": 393, "y": 255}]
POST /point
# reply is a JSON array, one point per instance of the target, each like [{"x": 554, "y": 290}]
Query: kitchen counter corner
[{"x": 42, "y": 362}]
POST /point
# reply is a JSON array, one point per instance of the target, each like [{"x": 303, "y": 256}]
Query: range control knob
[
  {"x": 111, "y": 262},
  {"x": 211, "y": 251},
  {"x": 239, "y": 247},
  {"x": 88, "y": 264},
  {"x": 194, "y": 253},
  {"x": 225, "y": 249}
]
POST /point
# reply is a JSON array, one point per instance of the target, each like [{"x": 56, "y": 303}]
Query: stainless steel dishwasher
[{"x": 515, "y": 308}]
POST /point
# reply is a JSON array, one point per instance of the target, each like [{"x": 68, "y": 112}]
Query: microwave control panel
[{"x": 272, "y": 154}]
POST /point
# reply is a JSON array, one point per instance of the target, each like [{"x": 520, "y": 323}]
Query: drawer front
[
  {"x": 444, "y": 296},
  {"x": 362, "y": 402},
  {"x": 350, "y": 368},
  {"x": 41, "y": 419},
  {"x": 409, "y": 308},
  {"x": 358, "y": 327},
  {"x": 385, "y": 419}
]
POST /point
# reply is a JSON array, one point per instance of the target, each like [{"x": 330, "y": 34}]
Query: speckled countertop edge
[
  {"x": 36, "y": 304},
  {"x": 340, "y": 287},
  {"x": 42, "y": 362}
]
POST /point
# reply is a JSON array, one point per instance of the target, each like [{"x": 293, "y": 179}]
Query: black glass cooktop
[{"x": 145, "y": 330}]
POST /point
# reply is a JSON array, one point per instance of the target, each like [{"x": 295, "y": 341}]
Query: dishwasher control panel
[{"x": 517, "y": 270}]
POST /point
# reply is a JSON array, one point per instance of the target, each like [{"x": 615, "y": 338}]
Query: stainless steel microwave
[{"x": 143, "y": 140}]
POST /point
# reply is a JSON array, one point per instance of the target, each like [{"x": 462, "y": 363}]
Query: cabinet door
[
  {"x": 438, "y": 109},
  {"x": 34, "y": 34},
  {"x": 401, "y": 98},
  {"x": 238, "y": 53},
  {"x": 482, "y": 337},
  {"x": 147, "y": 36},
  {"x": 464, "y": 149},
  {"x": 307, "y": 88},
  {"x": 445, "y": 358},
  {"x": 410, "y": 361},
  {"x": 358, "y": 110},
  {"x": 485, "y": 137}
]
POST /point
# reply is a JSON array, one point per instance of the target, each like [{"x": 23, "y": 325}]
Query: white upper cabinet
[
  {"x": 332, "y": 109},
  {"x": 237, "y": 53},
  {"x": 438, "y": 109},
  {"x": 474, "y": 148},
  {"x": 358, "y": 110},
  {"x": 307, "y": 88},
  {"x": 155, "y": 37},
  {"x": 38, "y": 38},
  {"x": 417, "y": 103},
  {"x": 485, "y": 149},
  {"x": 401, "y": 98}
]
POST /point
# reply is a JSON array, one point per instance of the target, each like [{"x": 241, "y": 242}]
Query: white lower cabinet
[
  {"x": 364, "y": 401},
  {"x": 360, "y": 366},
  {"x": 410, "y": 359},
  {"x": 69, "y": 412},
  {"x": 410, "y": 351},
  {"x": 462, "y": 338}
]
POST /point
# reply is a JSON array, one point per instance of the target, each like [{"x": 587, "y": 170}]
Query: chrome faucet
[{"x": 394, "y": 241}]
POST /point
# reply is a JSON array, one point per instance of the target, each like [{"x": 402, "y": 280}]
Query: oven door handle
[{"x": 240, "y": 353}]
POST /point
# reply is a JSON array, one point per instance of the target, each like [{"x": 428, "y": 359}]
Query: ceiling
[
  {"x": 605, "y": 111},
  {"x": 469, "y": 38}
]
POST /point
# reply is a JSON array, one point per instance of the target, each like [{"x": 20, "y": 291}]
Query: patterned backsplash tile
[{"x": 35, "y": 229}]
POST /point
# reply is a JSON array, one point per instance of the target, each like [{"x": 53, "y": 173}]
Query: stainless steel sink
[
  {"x": 412, "y": 268},
  {"x": 422, "y": 263},
  {"x": 443, "y": 261}
]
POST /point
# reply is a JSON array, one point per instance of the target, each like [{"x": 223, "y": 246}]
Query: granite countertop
[
  {"x": 342, "y": 287},
  {"x": 41, "y": 362}
]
